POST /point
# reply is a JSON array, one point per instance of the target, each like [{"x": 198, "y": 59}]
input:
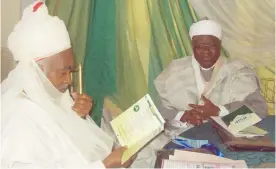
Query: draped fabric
[{"x": 100, "y": 60}]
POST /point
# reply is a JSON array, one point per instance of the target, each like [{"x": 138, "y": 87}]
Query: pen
[{"x": 80, "y": 78}]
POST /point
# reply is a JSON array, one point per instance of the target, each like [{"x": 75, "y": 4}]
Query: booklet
[
  {"x": 241, "y": 119},
  {"x": 138, "y": 125}
]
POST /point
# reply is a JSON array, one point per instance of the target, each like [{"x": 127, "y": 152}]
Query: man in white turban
[
  {"x": 41, "y": 125},
  {"x": 206, "y": 84}
]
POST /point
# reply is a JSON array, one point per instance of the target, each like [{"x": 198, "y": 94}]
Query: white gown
[{"x": 31, "y": 139}]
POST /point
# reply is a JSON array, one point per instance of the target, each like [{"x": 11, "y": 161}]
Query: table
[{"x": 205, "y": 132}]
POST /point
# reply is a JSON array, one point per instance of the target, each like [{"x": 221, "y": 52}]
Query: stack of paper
[
  {"x": 186, "y": 159},
  {"x": 136, "y": 126}
]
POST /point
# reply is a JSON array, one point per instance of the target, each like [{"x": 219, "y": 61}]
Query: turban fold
[
  {"x": 206, "y": 27},
  {"x": 38, "y": 35}
]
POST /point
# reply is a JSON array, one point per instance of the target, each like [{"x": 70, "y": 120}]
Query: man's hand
[
  {"x": 206, "y": 110},
  {"x": 192, "y": 117},
  {"x": 83, "y": 104},
  {"x": 114, "y": 159}
]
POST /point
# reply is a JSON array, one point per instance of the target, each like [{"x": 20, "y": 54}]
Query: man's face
[
  {"x": 206, "y": 50},
  {"x": 58, "y": 69}
]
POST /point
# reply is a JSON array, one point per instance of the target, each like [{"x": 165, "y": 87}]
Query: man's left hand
[
  {"x": 207, "y": 110},
  {"x": 83, "y": 104}
]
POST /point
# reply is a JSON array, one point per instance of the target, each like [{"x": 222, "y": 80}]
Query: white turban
[
  {"x": 206, "y": 27},
  {"x": 37, "y": 34}
]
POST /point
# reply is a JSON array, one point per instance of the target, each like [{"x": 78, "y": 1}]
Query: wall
[{"x": 10, "y": 15}]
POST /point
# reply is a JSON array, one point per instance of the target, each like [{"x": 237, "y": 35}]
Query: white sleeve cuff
[
  {"x": 97, "y": 164},
  {"x": 223, "y": 111},
  {"x": 176, "y": 121},
  {"x": 179, "y": 115}
]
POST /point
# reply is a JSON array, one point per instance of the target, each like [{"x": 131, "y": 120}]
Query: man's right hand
[
  {"x": 192, "y": 117},
  {"x": 114, "y": 159}
]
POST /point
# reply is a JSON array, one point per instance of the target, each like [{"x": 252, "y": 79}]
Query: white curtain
[{"x": 248, "y": 27}]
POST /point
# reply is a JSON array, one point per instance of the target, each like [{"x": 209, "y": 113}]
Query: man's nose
[{"x": 205, "y": 51}]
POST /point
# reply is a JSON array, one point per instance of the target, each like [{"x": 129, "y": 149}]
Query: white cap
[
  {"x": 38, "y": 35},
  {"x": 206, "y": 27}
]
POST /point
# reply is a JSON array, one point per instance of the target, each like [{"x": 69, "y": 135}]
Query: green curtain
[
  {"x": 100, "y": 59},
  {"x": 172, "y": 19}
]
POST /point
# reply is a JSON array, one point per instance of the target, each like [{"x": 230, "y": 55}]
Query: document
[
  {"x": 188, "y": 159},
  {"x": 136, "y": 126},
  {"x": 187, "y": 164},
  {"x": 197, "y": 157}
]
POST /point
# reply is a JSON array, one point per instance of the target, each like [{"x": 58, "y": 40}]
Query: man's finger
[
  {"x": 185, "y": 116},
  {"x": 122, "y": 149},
  {"x": 79, "y": 111},
  {"x": 74, "y": 95},
  {"x": 204, "y": 99},
  {"x": 193, "y": 118},
  {"x": 85, "y": 96},
  {"x": 194, "y": 105},
  {"x": 198, "y": 110},
  {"x": 83, "y": 101},
  {"x": 129, "y": 161}
]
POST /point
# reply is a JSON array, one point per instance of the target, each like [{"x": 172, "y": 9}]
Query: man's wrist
[{"x": 217, "y": 111}]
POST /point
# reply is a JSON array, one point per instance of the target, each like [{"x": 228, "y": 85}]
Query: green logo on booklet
[{"x": 136, "y": 108}]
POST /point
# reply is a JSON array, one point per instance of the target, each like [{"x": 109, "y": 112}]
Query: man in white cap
[
  {"x": 41, "y": 124},
  {"x": 206, "y": 84}
]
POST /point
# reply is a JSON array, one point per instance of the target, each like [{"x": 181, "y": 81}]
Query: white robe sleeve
[
  {"x": 246, "y": 89},
  {"x": 21, "y": 165}
]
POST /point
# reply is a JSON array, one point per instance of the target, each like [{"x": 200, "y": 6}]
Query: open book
[{"x": 136, "y": 126}]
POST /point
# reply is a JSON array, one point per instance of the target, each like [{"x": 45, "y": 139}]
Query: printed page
[
  {"x": 137, "y": 125},
  {"x": 189, "y": 156},
  {"x": 197, "y": 157},
  {"x": 186, "y": 164}
]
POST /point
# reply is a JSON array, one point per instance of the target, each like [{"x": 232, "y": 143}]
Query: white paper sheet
[
  {"x": 195, "y": 157},
  {"x": 187, "y": 164}
]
